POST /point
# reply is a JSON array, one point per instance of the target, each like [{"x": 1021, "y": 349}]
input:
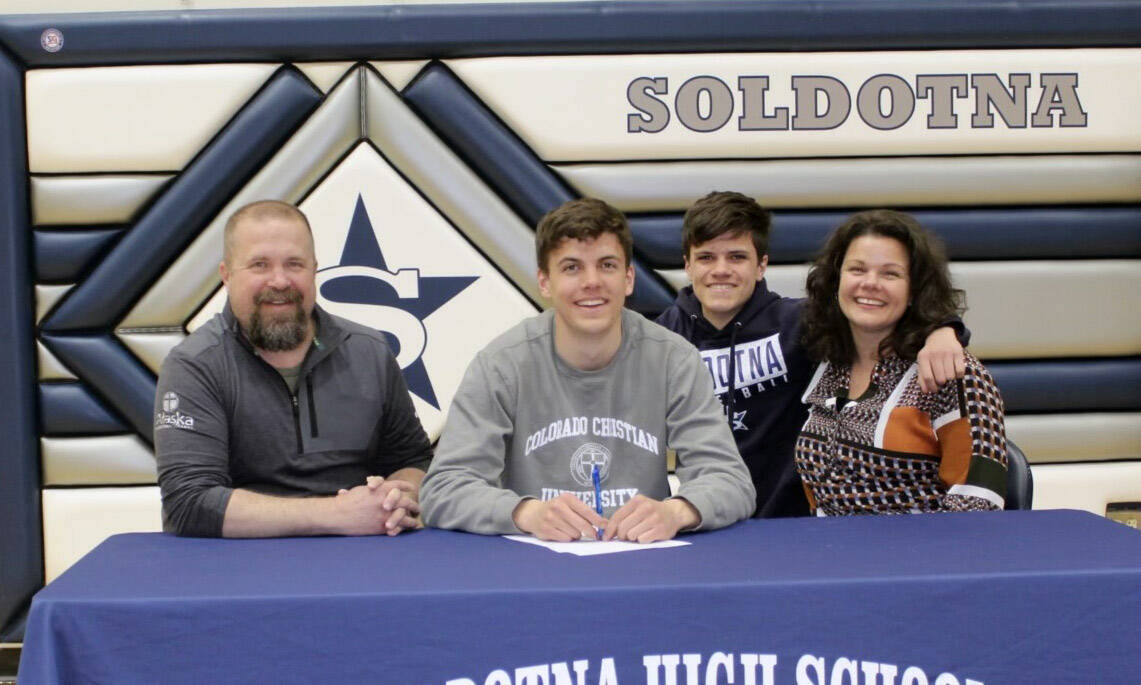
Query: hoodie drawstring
[{"x": 733, "y": 372}]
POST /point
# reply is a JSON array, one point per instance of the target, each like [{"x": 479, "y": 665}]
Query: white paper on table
[{"x": 589, "y": 548}]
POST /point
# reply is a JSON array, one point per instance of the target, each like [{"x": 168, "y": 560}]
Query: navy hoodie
[{"x": 759, "y": 373}]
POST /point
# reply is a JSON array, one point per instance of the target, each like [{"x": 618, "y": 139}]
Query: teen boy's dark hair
[{"x": 722, "y": 212}]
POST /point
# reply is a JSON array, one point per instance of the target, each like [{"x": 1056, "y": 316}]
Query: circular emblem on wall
[
  {"x": 584, "y": 460},
  {"x": 170, "y": 402},
  {"x": 51, "y": 40}
]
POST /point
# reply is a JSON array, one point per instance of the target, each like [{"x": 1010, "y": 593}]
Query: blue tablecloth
[{"x": 1010, "y": 597}]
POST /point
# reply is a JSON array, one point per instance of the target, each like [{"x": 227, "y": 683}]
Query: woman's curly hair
[{"x": 825, "y": 332}]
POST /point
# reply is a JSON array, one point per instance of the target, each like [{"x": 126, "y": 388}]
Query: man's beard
[{"x": 280, "y": 334}]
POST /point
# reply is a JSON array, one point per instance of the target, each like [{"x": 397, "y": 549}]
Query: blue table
[{"x": 1010, "y": 597}]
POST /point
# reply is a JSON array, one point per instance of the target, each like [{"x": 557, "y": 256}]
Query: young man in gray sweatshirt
[{"x": 585, "y": 387}]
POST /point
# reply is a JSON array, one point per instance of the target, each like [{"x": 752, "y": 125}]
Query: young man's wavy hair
[
  {"x": 726, "y": 212},
  {"x": 582, "y": 219},
  {"x": 825, "y": 332}
]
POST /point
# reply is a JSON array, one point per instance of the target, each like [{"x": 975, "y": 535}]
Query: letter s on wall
[{"x": 653, "y": 115}]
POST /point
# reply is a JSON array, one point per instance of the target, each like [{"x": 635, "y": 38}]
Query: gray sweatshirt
[{"x": 526, "y": 424}]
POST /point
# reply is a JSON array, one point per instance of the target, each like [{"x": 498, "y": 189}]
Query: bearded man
[{"x": 277, "y": 418}]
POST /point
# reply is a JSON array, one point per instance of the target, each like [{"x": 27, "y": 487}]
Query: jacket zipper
[
  {"x": 732, "y": 394},
  {"x": 296, "y": 422},
  {"x": 292, "y": 395},
  {"x": 296, "y": 407},
  {"x": 312, "y": 407}
]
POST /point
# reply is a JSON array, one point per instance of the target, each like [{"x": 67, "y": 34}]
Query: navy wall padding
[
  {"x": 651, "y": 296},
  {"x": 1069, "y": 386},
  {"x": 69, "y": 408},
  {"x": 658, "y": 239},
  {"x": 1109, "y": 232},
  {"x": 508, "y": 166},
  {"x": 114, "y": 372},
  {"x": 21, "y": 544},
  {"x": 191, "y": 201},
  {"x": 64, "y": 256},
  {"x": 614, "y": 26}
]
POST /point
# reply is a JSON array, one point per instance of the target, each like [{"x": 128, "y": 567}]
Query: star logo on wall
[{"x": 362, "y": 287}]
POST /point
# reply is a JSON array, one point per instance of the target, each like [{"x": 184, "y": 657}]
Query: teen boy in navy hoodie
[{"x": 749, "y": 339}]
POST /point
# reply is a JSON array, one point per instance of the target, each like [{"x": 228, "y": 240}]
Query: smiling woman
[
  {"x": 874, "y": 442},
  {"x": 874, "y": 292}
]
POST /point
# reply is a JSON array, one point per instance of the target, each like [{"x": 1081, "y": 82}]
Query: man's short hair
[
  {"x": 583, "y": 219},
  {"x": 726, "y": 212},
  {"x": 259, "y": 211}
]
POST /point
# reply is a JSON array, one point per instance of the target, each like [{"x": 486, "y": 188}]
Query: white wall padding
[
  {"x": 399, "y": 73},
  {"x": 1093, "y": 436},
  {"x": 50, "y": 367},
  {"x": 100, "y": 199},
  {"x": 714, "y": 106},
  {"x": 133, "y": 118},
  {"x": 103, "y": 460},
  {"x": 1089, "y": 487},
  {"x": 78, "y": 519},
  {"x": 1028, "y": 309},
  {"x": 47, "y": 296},
  {"x": 213, "y": 305},
  {"x": 151, "y": 347},
  {"x": 324, "y": 75},
  {"x": 1052, "y": 308},
  {"x": 866, "y": 182}
]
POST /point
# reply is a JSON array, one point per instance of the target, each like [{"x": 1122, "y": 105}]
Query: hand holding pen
[{"x": 565, "y": 518}]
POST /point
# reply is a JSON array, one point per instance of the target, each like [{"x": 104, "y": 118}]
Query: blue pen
[{"x": 597, "y": 496}]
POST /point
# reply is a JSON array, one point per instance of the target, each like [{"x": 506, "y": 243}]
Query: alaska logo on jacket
[{"x": 170, "y": 417}]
